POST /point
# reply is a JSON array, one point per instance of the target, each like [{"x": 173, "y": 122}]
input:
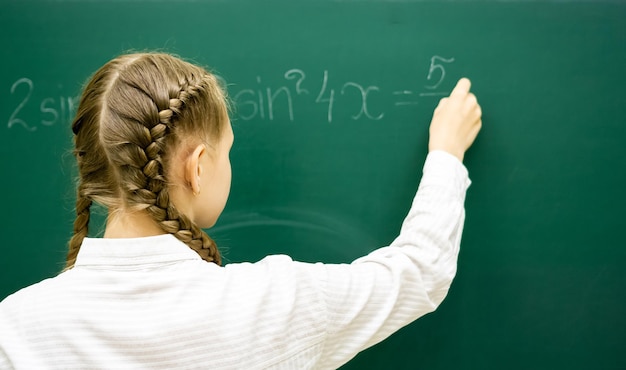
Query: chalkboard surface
[{"x": 333, "y": 101}]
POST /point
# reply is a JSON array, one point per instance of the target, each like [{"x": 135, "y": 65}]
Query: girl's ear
[{"x": 193, "y": 168}]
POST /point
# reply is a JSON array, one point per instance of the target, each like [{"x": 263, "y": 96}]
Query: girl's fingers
[{"x": 462, "y": 87}]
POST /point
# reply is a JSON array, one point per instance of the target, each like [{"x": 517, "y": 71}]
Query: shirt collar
[{"x": 133, "y": 251}]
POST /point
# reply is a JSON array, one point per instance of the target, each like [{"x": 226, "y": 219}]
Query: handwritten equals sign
[
  {"x": 408, "y": 94},
  {"x": 404, "y": 93}
]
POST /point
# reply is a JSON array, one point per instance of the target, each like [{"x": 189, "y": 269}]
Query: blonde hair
[{"x": 133, "y": 112}]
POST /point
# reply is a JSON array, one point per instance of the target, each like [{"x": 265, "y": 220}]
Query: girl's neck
[{"x": 123, "y": 224}]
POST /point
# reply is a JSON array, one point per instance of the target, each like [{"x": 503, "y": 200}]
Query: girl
[{"x": 152, "y": 139}]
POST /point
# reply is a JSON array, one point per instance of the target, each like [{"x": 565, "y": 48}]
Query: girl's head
[{"x": 152, "y": 134}]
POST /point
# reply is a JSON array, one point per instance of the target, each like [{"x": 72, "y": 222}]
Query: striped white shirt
[{"x": 152, "y": 303}]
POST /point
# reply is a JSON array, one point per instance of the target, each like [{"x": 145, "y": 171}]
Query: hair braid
[
  {"x": 96, "y": 182},
  {"x": 134, "y": 110},
  {"x": 187, "y": 231},
  {"x": 81, "y": 228},
  {"x": 175, "y": 223},
  {"x": 146, "y": 186}
]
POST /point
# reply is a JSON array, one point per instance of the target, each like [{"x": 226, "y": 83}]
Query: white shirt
[{"x": 153, "y": 303}]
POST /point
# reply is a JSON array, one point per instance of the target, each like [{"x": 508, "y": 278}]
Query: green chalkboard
[{"x": 333, "y": 101}]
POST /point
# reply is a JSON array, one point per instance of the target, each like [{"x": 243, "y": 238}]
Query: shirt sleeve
[{"x": 376, "y": 295}]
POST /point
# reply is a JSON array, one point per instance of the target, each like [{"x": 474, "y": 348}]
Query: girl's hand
[{"x": 456, "y": 121}]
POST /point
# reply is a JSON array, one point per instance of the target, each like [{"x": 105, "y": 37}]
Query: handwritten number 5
[{"x": 436, "y": 66}]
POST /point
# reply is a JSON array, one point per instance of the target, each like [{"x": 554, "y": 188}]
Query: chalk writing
[
  {"x": 261, "y": 101},
  {"x": 52, "y": 110},
  {"x": 364, "y": 95},
  {"x": 290, "y": 75},
  {"x": 436, "y": 66},
  {"x": 331, "y": 97},
  {"x": 406, "y": 93},
  {"x": 263, "y": 104},
  {"x": 14, "y": 119},
  {"x": 251, "y": 103}
]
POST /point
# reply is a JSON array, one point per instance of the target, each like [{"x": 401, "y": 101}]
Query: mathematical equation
[
  {"x": 262, "y": 103},
  {"x": 259, "y": 103}
]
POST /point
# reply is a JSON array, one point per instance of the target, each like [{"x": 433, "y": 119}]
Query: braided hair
[{"x": 132, "y": 112}]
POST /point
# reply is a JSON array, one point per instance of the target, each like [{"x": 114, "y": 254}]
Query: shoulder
[
  {"x": 40, "y": 294},
  {"x": 279, "y": 270}
]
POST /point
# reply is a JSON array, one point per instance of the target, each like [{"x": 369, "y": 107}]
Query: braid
[
  {"x": 175, "y": 223},
  {"x": 81, "y": 228},
  {"x": 95, "y": 180},
  {"x": 145, "y": 183},
  {"x": 133, "y": 108}
]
